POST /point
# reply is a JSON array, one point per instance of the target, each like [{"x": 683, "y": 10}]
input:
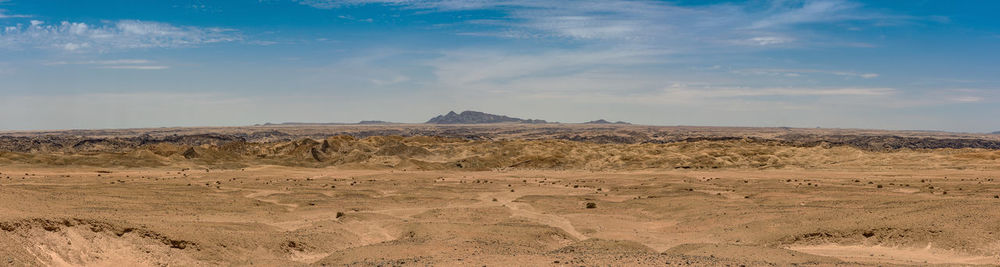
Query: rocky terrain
[
  {"x": 498, "y": 194},
  {"x": 292, "y": 216},
  {"x": 444, "y": 153}
]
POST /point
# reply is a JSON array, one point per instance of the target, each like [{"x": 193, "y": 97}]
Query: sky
[{"x": 913, "y": 65}]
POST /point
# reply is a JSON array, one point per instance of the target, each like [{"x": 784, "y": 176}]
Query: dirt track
[{"x": 274, "y": 215}]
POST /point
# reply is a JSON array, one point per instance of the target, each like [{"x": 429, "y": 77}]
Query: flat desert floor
[{"x": 279, "y": 215}]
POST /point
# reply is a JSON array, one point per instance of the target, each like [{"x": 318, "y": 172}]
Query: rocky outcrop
[{"x": 887, "y": 142}]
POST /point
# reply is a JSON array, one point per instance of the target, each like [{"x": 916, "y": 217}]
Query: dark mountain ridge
[
  {"x": 603, "y": 121},
  {"x": 476, "y": 117}
]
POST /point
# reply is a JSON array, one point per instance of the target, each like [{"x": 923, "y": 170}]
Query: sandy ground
[{"x": 271, "y": 215}]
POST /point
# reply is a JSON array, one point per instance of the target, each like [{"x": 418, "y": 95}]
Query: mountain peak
[
  {"x": 603, "y": 121},
  {"x": 476, "y": 117}
]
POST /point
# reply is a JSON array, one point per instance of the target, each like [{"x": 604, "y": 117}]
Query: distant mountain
[
  {"x": 375, "y": 122},
  {"x": 322, "y": 123},
  {"x": 603, "y": 121},
  {"x": 476, "y": 117},
  {"x": 997, "y": 132},
  {"x": 300, "y": 123}
]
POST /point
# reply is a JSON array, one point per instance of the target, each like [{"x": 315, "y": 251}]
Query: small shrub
[{"x": 591, "y": 205}]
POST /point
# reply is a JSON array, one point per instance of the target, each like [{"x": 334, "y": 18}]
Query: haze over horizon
[{"x": 904, "y": 65}]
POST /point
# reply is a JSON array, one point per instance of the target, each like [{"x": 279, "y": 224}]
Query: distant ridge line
[{"x": 476, "y": 117}]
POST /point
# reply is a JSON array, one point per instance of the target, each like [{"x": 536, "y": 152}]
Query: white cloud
[
  {"x": 800, "y": 72},
  {"x": 624, "y": 50},
  {"x": 967, "y": 99},
  {"x": 4, "y": 15},
  {"x": 122, "y": 64},
  {"x": 330, "y": 4},
  {"x": 793, "y": 12},
  {"x": 125, "y": 34},
  {"x": 352, "y": 18},
  {"x": 135, "y": 67},
  {"x": 739, "y": 92},
  {"x": 620, "y": 75},
  {"x": 770, "y": 40},
  {"x": 102, "y": 62},
  {"x": 467, "y": 68},
  {"x": 733, "y": 98},
  {"x": 965, "y": 95},
  {"x": 648, "y": 22},
  {"x": 623, "y": 76}
]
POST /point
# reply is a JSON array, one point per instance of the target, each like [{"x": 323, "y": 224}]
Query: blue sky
[{"x": 927, "y": 65}]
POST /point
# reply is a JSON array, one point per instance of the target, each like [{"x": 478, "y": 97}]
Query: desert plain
[{"x": 498, "y": 195}]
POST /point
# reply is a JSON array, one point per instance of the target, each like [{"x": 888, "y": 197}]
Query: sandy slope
[{"x": 272, "y": 215}]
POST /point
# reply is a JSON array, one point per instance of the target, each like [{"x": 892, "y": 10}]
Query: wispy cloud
[
  {"x": 734, "y": 98},
  {"x": 967, "y": 99},
  {"x": 629, "y": 51},
  {"x": 5, "y": 15},
  {"x": 800, "y": 72},
  {"x": 352, "y": 18},
  {"x": 967, "y": 96},
  {"x": 123, "y": 64},
  {"x": 132, "y": 67},
  {"x": 650, "y": 22},
  {"x": 754, "y": 92},
  {"x": 470, "y": 68},
  {"x": 787, "y": 13},
  {"x": 620, "y": 41},
  {"x": 768, "y": 40},
  {"x": 613, "y": 76},
  {"x": 124, "y": 34},
  {"x": 101, "y": 62}
]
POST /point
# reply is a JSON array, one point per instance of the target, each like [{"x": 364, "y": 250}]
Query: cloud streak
[
  {"x": 4, "y": 15},
  {"x": 647, "y": 22},
  {"x": 132, "y": 67},
  {"x": 101, "y": 62},
  {"x": 800, "y": 72},
  {"x": 630, "y": 51},
  {"x": 124, "y": 34},
  {"x": 121, "y": 64}
]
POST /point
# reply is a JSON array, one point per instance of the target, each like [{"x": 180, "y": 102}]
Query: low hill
[
  {"x": 476, "y": 117},
  {"x": 439, "y": 153},
  {"x": 603, "y": 121},
  {"x": 376, "y": 122}
]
